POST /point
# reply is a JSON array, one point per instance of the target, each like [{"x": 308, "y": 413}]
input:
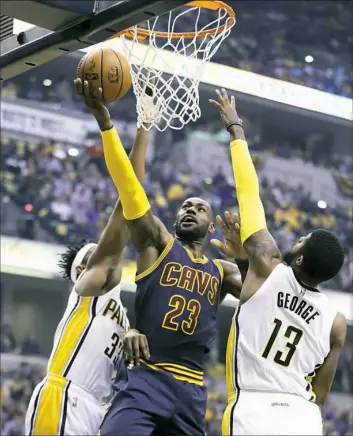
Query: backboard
[{"x": 62, "y": 27}]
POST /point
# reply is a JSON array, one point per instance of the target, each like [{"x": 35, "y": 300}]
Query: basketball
[{"x": 107, "y": 69}]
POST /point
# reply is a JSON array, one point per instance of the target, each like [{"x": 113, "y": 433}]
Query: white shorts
[
  {"x": 263, "y": 413},
  {"x": 59, "y": 407}
]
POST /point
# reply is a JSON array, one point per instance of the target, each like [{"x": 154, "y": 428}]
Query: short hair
[
  {"x": 67, "y": 258},
  {"x": 323, "y": 256}
]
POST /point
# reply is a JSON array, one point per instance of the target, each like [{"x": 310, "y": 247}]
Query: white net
[{"x": 171, "y": 61}]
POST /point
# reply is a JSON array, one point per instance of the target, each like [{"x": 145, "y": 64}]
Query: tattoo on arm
[{"x": 263, "y": 252}]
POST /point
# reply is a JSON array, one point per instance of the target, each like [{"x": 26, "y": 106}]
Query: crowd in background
[
  {"x": 273, "y": 38},
  {"x": 69, "y": 195},
  {"x": 8, "y": 343},
  {"x": 304, "y": 42},
  {"x": 17, "y": 385}
]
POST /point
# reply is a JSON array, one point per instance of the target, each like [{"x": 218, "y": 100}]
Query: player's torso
[
  {"x": 176, "y": 303},
  {"x": 87, "y": 345},
  {"x": 279, "y": 337}
]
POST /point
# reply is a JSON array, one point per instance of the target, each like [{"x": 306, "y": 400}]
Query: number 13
[{"x": 291, "y": 344}]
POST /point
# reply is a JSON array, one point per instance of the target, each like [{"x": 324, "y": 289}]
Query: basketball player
[
  {"x": 285, "y": 338},
  {"x": 178, "y": 293},
  {"x": 71, "y": 400}
]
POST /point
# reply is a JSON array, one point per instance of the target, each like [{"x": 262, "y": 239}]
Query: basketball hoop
[{"x": 172, "y": 62}]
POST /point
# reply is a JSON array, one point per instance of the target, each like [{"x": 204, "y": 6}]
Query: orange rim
[{"x": 214, "y": 5}]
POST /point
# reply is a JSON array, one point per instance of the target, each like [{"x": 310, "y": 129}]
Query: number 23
[{"x": 179, "y": 305}]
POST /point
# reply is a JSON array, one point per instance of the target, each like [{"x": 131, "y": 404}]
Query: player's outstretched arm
[
  {"x": 148, "y": 234},
  {"x": 325, "y": 374},
  {"x": 103, "y": 270},
  {"x": 258, "y": 243}
]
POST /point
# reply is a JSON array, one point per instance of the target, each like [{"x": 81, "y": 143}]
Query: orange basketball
[{"x": 107, "y": 69}]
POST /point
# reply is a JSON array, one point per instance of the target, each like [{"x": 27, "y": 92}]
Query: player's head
[
  {"x": 318, "y": 256},
  {"x": 194, "y": 220},
  {"x": 74, "y": 260}
]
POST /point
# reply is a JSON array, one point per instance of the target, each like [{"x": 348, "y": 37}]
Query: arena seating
[
  {"x": 71, "y": 197},
  {"x": 274, "y": 38},
  {"x": 303, "y": 42}
]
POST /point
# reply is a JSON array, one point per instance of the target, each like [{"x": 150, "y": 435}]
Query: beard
[
  {"x": 191, "y": 234},
  {"x": 289, "y": 257}
]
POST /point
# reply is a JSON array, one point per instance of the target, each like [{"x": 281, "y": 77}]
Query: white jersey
[
  {"x": 279, "y": 338},
  {"x": 71, "y": 399},
  {"x": 87, "y": 342}
]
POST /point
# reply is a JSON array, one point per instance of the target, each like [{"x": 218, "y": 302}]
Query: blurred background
[{"x": 55, "y": 189}]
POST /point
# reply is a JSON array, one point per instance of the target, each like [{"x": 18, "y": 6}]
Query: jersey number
[
  {"x": 179, "y": 305},
  {"x": 109, "y": 351},
  {"x": 294, "y": 336}
]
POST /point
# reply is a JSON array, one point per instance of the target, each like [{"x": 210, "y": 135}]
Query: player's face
[
  {"x": 194, "y": 219},
  {"x": 297, "y": 249}
]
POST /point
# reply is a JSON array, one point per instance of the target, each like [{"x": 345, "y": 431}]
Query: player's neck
[
  {"x": 195, "y": 247},
  {"x": 303, "y": 280}
]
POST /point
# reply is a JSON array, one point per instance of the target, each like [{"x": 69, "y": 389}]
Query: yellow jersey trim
[
  {"x": 203, "y": 260},
  {"x": 230, "y": 363},
  {"x": 177, "y": 366},
  {"x": 49, "y": 414},
  {"x": 75, "y": 329},
  {"x": 309, "y": 379},
  {"x": 220, "y": 268},
  {"x": 156, "y": 264},
  {"x": 226, "y": 420},
  {"x": 179, "y": 372}
]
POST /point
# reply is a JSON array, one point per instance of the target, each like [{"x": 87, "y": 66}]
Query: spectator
[
  {"x": 72, "y": 198},
  {"x": 8, "y": 342}
]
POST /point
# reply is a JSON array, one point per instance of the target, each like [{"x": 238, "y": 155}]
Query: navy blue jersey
[{"x": 176, "y": 303}]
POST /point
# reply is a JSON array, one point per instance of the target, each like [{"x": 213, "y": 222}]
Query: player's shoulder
[{"x": 113, "y": 293}]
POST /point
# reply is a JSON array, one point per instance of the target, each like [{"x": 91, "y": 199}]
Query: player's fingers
[
  {"x": 237, "y": 227},
  {"x": 98, "y": 95},
  {"x": 232, "y": 101},
  {"x": 144, "y": 347},
  {"x": 236, "y": 221},
  {"x": 219, "y": 95},
  {"x": 93, "y": 91},
  {"x": 225, "y": 95},
  {"x": 229, "y": 220},
  {"x": 78, "y": 85},
  {"x": 128, "y": 350},
  {"x": 218, "y": 244},
  {"x": 214, "y": 102},
  {"x": 87, "y": 93},
  {"x": 136, "y": 350},
  {"x": 222, "y": 224}
]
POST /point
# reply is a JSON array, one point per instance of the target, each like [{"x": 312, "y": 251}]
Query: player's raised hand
[
  {"x": 93, "y": 99},
  {"x": 135, "y": 346},
  {"x": 226, "y": 107},
  {"x": 232, "y": 247}
]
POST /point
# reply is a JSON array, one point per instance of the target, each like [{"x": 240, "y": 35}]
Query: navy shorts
[{"x": 151, "y": 402}]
